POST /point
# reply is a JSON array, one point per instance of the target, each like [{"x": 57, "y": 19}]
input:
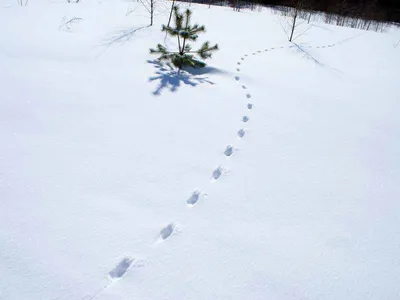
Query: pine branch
[
  {"x": 206, "y": 51},
  {"x": 197, "y": 29},
  {"x": 184, "y": 32},
  {"x": 171, "y": 31},
  {"x": 187, "y": 48},
  {"x": 178, "y": 18},
  {"x": 159, "y": 50}
]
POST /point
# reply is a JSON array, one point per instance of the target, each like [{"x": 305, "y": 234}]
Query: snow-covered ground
[{"x": 272, "y": 174}]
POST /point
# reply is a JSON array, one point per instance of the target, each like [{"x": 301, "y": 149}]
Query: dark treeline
[{"x": 375, "y": 10}]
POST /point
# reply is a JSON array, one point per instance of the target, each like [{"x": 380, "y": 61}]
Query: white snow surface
[{"x": 270, "y": 174}]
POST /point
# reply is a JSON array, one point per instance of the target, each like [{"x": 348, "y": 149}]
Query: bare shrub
[
  {"x": 67, "y": 23},
  {"x": 22, "y": 2}
]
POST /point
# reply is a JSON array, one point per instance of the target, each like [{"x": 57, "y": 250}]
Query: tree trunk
[
  {"x": 179, "y": 45},
  {"x": 170, "y": 13},
  {"x": 293, "y": 25},
  {"x": 183, "y": 46},
  {"x": 151, "y": 12}
]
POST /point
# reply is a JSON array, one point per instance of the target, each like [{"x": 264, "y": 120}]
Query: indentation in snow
[
  {"x": 194, "y": 198},
  {"x": 121, "y": 268},
  {"x": 217, "y": 173},
  {"x": 167, "y": 231},
  {"x": 228, "y": 151}
]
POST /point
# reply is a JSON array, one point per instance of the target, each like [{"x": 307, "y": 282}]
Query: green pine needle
[{"x": 185, "y": 32}]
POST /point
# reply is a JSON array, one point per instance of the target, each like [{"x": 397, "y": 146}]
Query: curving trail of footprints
[{"x": 167, "y": 231}]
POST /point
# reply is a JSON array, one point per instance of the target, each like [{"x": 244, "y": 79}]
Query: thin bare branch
[{"x": 304, "y": 32}]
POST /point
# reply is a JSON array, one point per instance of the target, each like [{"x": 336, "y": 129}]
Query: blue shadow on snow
[{"x": 171, "y": 79}]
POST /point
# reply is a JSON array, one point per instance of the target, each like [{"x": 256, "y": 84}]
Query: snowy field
[{"x": 272, "y": 174}]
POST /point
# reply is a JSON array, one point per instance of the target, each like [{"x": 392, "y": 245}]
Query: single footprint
[
  {"x": 241, "y": 133},
  {"x": 245, "y": 55},
  {"x": 259, "y": 51},
  {"x": 237, "y": 78},
  {"x": 248, "y": 95},
  {"x": 254, "y": 53},
  {"x": 228, "y": 151},
  {"x": 121, "y": 268},
  {"x": 238, "y": 62},
  {"x": 242, "y": 58},
  {"x": 245, "y": 119},
  {"x": 266, "y": 50},
  {"x": 244, "y": 87},
  {"x": 238, "y": 69},
  {"x": 217, "y": 173},
  {"x": 250, "y": 106},
  {"x": 167, "y": 231},
  {"x": 194, "y": 198},
  {"x": 272, "y": 48}
]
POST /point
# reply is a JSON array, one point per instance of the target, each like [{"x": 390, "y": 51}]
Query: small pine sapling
[{"x": 184, "y": 32}]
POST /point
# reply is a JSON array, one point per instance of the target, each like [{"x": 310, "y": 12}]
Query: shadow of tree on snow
[
  {"x": 170, "y": 79},
  {"x": 122, "y": 36},
  {"x": 309, "y": 56}
]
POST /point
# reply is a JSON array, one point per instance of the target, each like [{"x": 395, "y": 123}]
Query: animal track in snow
[
  {"x": 244, "y": 87},
  {"x": 241, "y": 133},
  {"x": 237, "y": 78},
  {"x": 121, "y": 268},
  {"x": 248, "y": 96},
  {"x": 194, "y": 198},
  {"x": 259, "y": 51},
  {"x": 217, "y": 173},
  {"x": 250, "y": 106},
  {"x": 238, "y": 62},
  {"x": 245, "y": 119},
  {"x": 242, "y": 58},
  {"x": 245, "y": 55},
  {"x": 228, "y": 151},
  {"x": 238, "y": 69},
  {"x": 167, "y": 231}
]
